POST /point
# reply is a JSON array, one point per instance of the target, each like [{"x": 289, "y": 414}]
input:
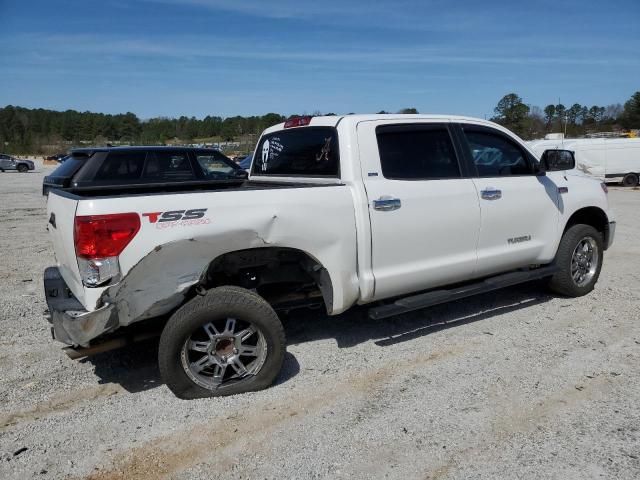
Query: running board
[{"x": 435, "y": 297}]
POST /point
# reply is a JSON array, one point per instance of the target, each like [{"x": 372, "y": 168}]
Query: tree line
[
  {"x": 24, "y": 130},
  {"x": 576, "y": 120}
]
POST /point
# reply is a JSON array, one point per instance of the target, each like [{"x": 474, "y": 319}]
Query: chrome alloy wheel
[
  {"x": 223, "y": 352},
  {"x": 584, "y": 261}
]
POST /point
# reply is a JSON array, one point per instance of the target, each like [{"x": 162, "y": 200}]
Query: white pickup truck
[{"x": 396, "y": 211}]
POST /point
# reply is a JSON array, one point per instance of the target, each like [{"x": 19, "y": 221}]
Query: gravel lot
[{"x": 516, "y": 384}]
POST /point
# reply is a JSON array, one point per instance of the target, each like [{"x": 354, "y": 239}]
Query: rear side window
[
  {"x": 496, "y": 156},
  {"x": 416, "y": 152},
  {"x": 121, "y": 166},
  {"x": 168, "y": 166},
  {"x": 306, "y": 151}
]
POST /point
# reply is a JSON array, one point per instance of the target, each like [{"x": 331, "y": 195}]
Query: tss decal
[{"x": 182, "y": 216}]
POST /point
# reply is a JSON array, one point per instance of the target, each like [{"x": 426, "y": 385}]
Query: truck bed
[{"x": 183, "y": 187}]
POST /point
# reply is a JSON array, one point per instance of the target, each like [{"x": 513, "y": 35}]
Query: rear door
[
  {"x": 423, "y": 206},
  {"x": 519, "y": 209}
]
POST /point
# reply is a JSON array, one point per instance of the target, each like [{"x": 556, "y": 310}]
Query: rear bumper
[{"x": 71, "y": 322}]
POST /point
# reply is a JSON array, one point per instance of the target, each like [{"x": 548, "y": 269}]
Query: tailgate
[{"x": 61, "y": 211}]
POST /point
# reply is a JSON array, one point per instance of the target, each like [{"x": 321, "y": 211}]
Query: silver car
[{"x": 7, "y": 162}]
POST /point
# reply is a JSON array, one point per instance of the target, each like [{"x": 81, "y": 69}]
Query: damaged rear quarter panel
[{"x": 163, "y": 260}]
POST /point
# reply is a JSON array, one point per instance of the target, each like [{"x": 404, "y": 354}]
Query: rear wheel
[
  {"x": 226, "y": 342},
  {"x": 630, "y": 180},
  {"x": 579, "y": 258},
  {"x": 23, "y": 168}
]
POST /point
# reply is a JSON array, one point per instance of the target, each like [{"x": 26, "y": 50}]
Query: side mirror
[{"x": 556, "y": 160}]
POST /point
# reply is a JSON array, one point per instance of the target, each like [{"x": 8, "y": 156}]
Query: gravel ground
[{"x": 515, "y": 384}]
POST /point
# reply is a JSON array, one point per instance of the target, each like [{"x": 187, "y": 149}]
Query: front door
[
  {"x": 423, "y": 206},
  {"x": 519, "y": 209}
]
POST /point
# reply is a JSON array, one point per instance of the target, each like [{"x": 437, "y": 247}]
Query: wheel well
[
  {"x": 593, "y": 216},
  {"x": 286, "y": 277}
]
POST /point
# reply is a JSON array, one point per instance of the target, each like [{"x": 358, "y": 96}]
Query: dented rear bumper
[{"x": 71, "y": 322}]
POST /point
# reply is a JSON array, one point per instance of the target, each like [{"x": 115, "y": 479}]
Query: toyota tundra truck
[{"x": 396, "y": 212}]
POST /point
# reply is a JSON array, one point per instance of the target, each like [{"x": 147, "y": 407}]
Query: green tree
[
  {"x": 574, "y": 113},
  {"x": 513, "y": 114},
  {"x": 630, "y": 117},
  {"x": 549, "y": 114},
  {"x": 409, "y": 111}
]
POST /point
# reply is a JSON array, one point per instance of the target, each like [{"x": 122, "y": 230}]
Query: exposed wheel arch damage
[
  {"x": 165, "y": 278},
  {"x": 272, "y": 271}
]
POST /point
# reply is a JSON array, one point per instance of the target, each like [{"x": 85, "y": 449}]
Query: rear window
[
  {"x": 69, "y": 167},
  {"x": 306, "y": 151}
]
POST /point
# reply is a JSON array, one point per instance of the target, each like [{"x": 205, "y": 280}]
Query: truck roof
[
  {"x": 90, "y": 150},
  {"x": 334, "y": 120}
]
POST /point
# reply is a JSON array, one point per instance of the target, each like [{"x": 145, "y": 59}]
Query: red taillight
[
  {"x": 101, "y": 236},
  {"x": 297, "y": 122}
]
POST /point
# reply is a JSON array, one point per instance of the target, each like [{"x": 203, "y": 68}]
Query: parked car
[
  {"x": 245, "y": 163},
  {"x": 143, "y": 168},
  {"x": 57, "y": 157},
  {"x": 7, "y": 162},
  {"x": 398, "y": 212}
]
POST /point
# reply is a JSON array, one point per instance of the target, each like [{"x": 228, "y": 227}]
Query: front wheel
[
  {"x": 23, "y": 168},
  {"x": 228, "y": 341},
  {"x": 579, "y": 259}
]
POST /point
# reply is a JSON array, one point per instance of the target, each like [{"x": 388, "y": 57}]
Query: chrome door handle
[
  {"x": 387, "y": 204},
  {"x": 491, "y": 193}
]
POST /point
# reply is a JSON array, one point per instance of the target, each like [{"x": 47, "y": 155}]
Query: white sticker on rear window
[{"x": 265, "y": 155}]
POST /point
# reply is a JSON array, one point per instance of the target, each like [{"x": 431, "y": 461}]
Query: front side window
[
  {"x": 417, "y": 152},
  {"x": 215, "y": 166},
  {"x": 496, "y": 156},
  {"x": 306, "y": 151}
]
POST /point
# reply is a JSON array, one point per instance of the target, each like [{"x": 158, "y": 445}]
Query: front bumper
[{"x": 71, "y": 322}]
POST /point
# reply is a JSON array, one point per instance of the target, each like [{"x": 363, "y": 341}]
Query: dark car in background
[
  {"x": 245, "y": 163},
  {"x": 58, "y": 157},
  {"x": 7, "y": 162},
  {"x": 128, "y": 169}
]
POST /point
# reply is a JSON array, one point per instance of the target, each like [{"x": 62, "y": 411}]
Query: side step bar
[{"x": 435, "y": 297}]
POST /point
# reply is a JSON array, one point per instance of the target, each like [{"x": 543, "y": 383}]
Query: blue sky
[{"x": 242, "y": 57}]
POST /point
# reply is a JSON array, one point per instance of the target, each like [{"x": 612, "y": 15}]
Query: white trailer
[{"x": 609, "y": 159}]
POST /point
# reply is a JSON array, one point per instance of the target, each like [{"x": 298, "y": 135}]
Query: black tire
[
  {"x": 563, "y": 281},
  {"x": 216, "y": 305},
  {"x": 630, "y": 180},
  {"x": 22, "y": 168}
]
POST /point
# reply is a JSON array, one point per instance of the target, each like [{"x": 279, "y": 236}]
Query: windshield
[{"x": 306, "y": 151}]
